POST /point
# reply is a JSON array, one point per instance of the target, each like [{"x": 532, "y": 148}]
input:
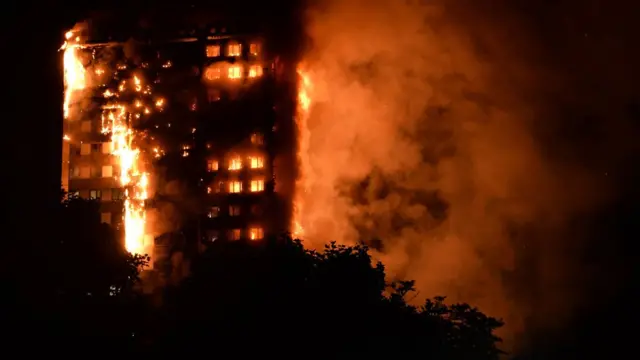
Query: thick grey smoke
[{"x": 425, "y": 126}]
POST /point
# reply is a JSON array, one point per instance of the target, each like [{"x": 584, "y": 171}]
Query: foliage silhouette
[{"x": 282, "y": 299}]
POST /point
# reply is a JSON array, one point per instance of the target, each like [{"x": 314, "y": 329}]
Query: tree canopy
[{"x": 268, "y": 297}]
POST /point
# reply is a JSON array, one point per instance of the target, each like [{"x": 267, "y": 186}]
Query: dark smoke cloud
[{"x": 438, "y": 135}]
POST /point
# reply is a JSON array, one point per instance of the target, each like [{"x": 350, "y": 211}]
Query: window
[
  {"x": 213, "y": 95},
  {"x": 255, "y": 71},
  {"x": 234, "y": 210},
  {"x": 254, "y": 49},
  {"x": 213, "y": 73},
  {"x": 235, "y": 186},
  {"x": 234, "y": 49},
  {"x": 235, "y": 72},
  {"x": 107, "y": 195},
  {"x": 75, "y": 172},
  {"x": 257, "y": 139},
  {"x": 212, "y": 165},
  {"x": 105, "y": 217},
  {"x": 96, "y": 171},
  {"x": 212, "y": 235},
  {"x": 117, "y": 194},
  {"x": 107, "y": 171},
  {"x": 96, "y": 147},
  {"x": 214, "y": 212},
  {"x": 256, "y": 209},
  {"x": 235, "y": 163},
  {"x": 85, "y": 172},
  {"x": 85, "y": 149},
  {"x": 235, "y": 234},
  {"x": 256, "y": 233},
  {"x": 213, "y": 51},
  {"x": 220, "y": 187},
  {"x": 85, "y": 126},
  {"x": 73, "y": 194},
  {"x": 257, "y": 185},
  {"x": 95, "y": 194},
  {"x": 256, "y": 162},
  {"x": 107, "y": 147}
]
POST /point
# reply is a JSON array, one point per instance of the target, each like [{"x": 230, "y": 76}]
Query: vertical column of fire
[
  {"x": 304, "y": 166},
  {"x": 116, "y": 122}
]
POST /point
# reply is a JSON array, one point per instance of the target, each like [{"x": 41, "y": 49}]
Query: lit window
[
  {"x": 256, "y": 233},
  {"x": 107, "y": 171},
  {"x": 235, "y": 164},
  {"x": 234, "y": 210},
  {"x": 256, "y": 162},
  {"x": 213, "y": 212},
  {"x": 257, "y": 139},
  {"x": 257, "y": 185},
  {"x": 107, "y": 147},
  {"x": 235, "y": 72},
  {"x": 85, "y": 149},
  {"x": 95, "y": 194},
  {"x": 235, "y": 234},
  {"x": 85, "y": 172},
  {"x": 85, "y": 126},
  {"x": 235, "y": 186},
  {"x": 212, "y": 73},
  {"x": 213, "y": 51},
  {"x": 255, "y": 71},
  {"x": 105, "y": 218},
  {"x": 212, "y": 165},
  {"x": 254, "y": 49},
  {"x": 234, "y": 50}
]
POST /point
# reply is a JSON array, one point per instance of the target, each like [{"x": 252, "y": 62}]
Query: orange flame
[{"x": 305, "y": 87}]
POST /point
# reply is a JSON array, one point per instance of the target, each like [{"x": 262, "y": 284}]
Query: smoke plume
[{"x": 429, "y": 139}]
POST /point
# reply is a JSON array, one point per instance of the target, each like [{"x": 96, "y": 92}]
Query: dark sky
[{"x": 594, "y": 42}]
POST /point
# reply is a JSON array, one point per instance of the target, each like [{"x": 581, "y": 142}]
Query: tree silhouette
[
  {"x": 278, "y": 298},
  {"x": 91, "y": 280}
]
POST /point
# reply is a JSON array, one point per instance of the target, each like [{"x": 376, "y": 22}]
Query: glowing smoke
[{"x": 423, "y": 134}]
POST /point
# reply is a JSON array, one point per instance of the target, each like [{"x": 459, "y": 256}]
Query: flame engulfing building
[{"x": 182, "y": 128}]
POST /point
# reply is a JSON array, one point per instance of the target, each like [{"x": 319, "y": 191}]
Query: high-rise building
[{"x": 181, "y": 131}]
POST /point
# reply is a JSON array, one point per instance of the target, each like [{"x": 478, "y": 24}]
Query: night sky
[{"x": 595, "y": 43}]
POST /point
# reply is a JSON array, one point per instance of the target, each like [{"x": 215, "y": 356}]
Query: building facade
[{"x": 209, "y": 111}]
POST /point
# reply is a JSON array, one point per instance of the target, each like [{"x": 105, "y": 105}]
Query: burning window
[
  {"x": 257, "y": 139},
  {"x": 254, "y": 49},
  {"x": 234, "y": 49},
  {"x": 213, "y": 212},
  {"x": 95, "y": 194},
  {"x": 213, "y": 73},
  {"x": 257, "y": 185},
  {"x": 235, "y": 186},
  {"x": 235, "y": 234},
  {"x": 234, "y": 210},
  {"x": 107, "y": 171},
  {"x": 235, "y": 72},
  {"x": 213, "y": 51},
  {"x": 212, "y": 165},
  {"x": 256, "y": 233},
  {"x": 255, "y": 71},
  {"x": 256, "y": 162},
  {"x": 85, "y": 126},
  {"x": 235, "y": 163}
]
